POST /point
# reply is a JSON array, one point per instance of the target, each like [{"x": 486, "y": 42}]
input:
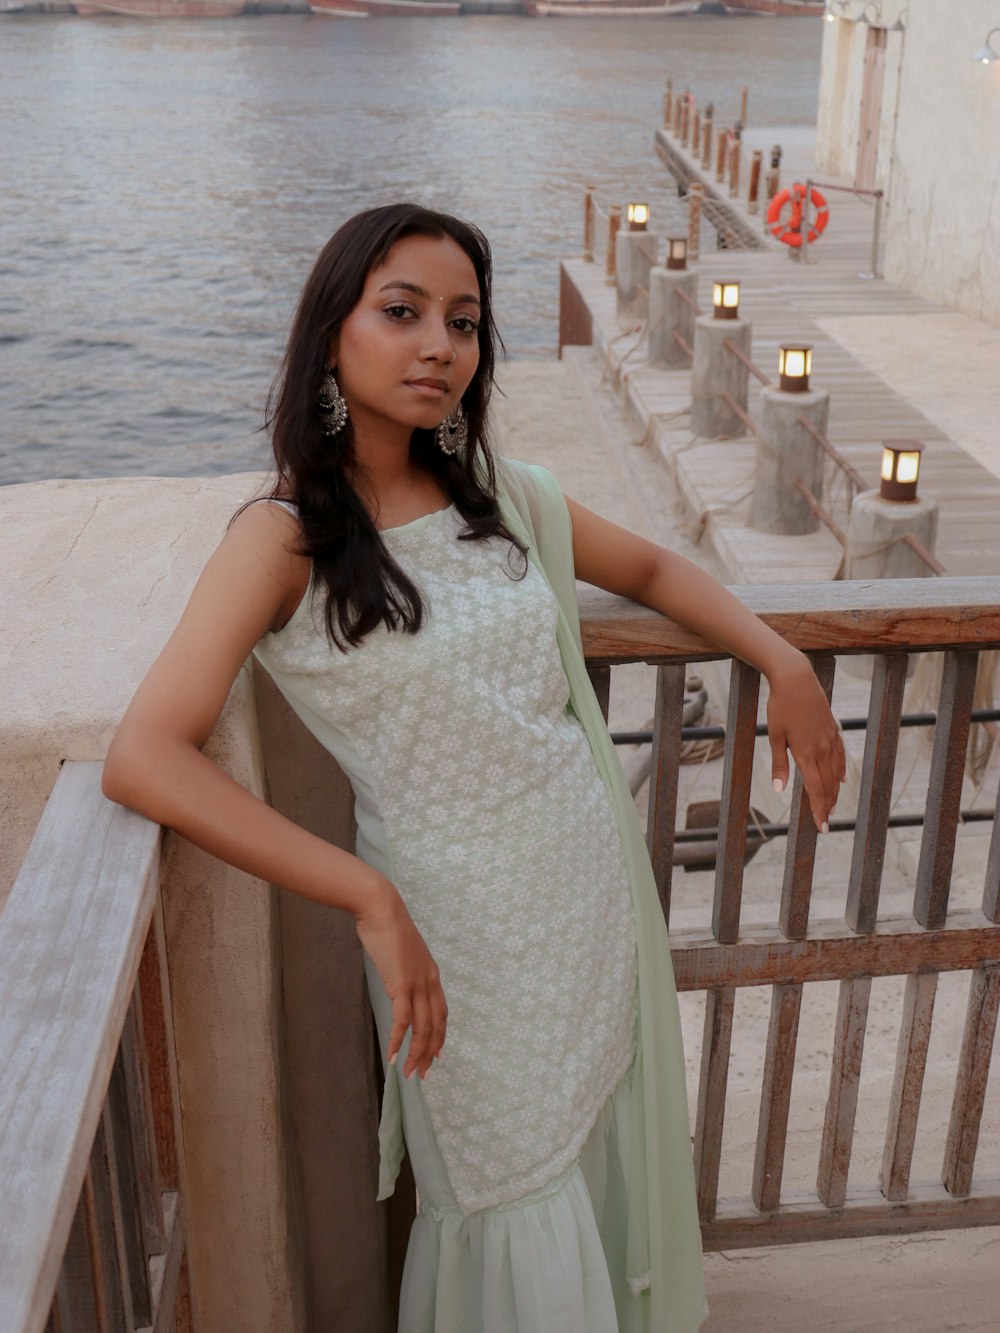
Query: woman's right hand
[{"x": 410, "y": 977}]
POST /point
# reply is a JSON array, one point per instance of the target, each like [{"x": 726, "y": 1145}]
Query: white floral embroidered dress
[{"x": 478, "y": 794}]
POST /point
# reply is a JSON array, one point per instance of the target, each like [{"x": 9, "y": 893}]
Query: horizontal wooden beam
[
  {"x": 846, "y": 616},
  {"x": 801, "y": 1217},
  {"x": 71, "y": 936},
  {"x": 763, "y": 957}
]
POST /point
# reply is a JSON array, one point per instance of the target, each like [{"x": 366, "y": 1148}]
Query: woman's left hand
[{"x": 799, "y": 719}]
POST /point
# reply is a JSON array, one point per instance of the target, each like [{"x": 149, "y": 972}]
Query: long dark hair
[{"x": 364, "y": 586}]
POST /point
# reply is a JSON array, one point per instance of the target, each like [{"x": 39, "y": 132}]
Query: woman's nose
[{"x": 437, "y": 344}]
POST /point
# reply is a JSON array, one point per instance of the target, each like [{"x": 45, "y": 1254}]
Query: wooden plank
[
  {"x": 141, "y": 1128},
  {"x": 71, "y": 936},
  {"x": 75, "y": 1303},
  {"x": 165, "y": 1269},
  {"x": 944, "y": 790},
  {"x": 126, "y": 1193},
  {"x": 908, "y": 1082},
  {"x": 897, "y": 946},
  {"x": 158, "y": 1040},
  {"x": 741, "y": 722},
  {"x": 875, "y": 796},
  {"x": 834, "y": 616},
  {"x": 775, "y": 1097},
  {"x": 991, "y": 889},
  {"x": 716, "y": 1043},
  {"x": 800, "y": 853},
  {"x": 668, "y": 722},
  {"x": 970, "y": 1083},
  {"x": 108, "y": 1272},
  {"x": 600, "y": 678},
  {"x": 842, "y": 1103},
  {"x": 802, "y": 1218}
]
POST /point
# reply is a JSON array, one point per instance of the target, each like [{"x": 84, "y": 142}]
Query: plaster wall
[
  {"x": 96, "y": 574},
  {"x": 938, "y": 145}
]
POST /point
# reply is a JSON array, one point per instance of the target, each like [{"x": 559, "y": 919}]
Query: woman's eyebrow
[{"x": 419, "y": 291}]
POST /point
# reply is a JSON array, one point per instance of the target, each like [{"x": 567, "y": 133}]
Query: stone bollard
[
  {"x": 786, "y": 452},
  {"x": 715, "y": 371},
  {"x": 669, "y": 313},
  {"x": 874, "y": 549},
  {"x": 635, "y": 255},
  {"x": 706, "y": 136}
]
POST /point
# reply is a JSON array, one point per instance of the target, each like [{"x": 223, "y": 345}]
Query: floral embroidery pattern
[{"x": 504, "y": 845}]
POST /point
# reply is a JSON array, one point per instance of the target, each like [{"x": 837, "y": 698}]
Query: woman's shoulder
[{"x": 268, "y": 531}]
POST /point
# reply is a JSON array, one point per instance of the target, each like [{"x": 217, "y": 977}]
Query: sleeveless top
[{"x": 478, "y": 794}]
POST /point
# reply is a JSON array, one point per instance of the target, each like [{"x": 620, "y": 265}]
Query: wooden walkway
[{"x": 785, "y": 299}]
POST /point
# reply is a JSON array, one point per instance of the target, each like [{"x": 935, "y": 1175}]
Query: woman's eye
[
  {"x": 399, "y": 311},
  {"x": 464, "y": 324}
]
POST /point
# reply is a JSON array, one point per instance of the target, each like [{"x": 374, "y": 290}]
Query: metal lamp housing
[
  {"x": 726, "y": 300},
  {"x": 794, "y": 367},
  {"x": 900, "y": 470}
]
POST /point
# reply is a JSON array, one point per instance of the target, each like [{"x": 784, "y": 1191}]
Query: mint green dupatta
[{"x": 664, "y": 1238}]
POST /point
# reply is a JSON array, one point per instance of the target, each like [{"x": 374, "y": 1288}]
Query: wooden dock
[{"x": 785, "y": 300}]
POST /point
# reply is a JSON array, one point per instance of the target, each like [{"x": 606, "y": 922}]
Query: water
[{"x": 166, "y": 187}]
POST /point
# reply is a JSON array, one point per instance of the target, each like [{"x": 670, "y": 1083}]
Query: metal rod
[
  {"x": 689, "y": 300},
  {"x": 834, "y": 453},
  {"x": 822, "y": 514},
  {"x": 734, "y": 406},
  {"x": 756, "y": 371},
  {"x": 929, "y": 560},
  {"x": 682, "y": 342},
  {"x": 718, "y": 732},
  {"x": 836, "y": 826}
]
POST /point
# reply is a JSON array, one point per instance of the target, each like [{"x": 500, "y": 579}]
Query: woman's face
[{"x": 408, "y": 350}]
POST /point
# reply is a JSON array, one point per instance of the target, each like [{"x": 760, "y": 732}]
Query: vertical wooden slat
[
  {"x": 944, "y": 789},
  {"x": 668, "y": 722},
  {"x": 141, "y": 1131},
  {"x": 908, "y": 1082},
  {"x": 600, "y": 678},
  {"x": 842, "y": 1104},
  {"x": 108, "y": 1286},
  {"x": 875, "y": 795},
  {"x": 741, "y": 722},
  {"x": 128, "y": 1189},
  {"x": 159, "y": 1047},
  {"x": 800, "y": 853},
  {"x": 776, "y": 1092},
  {"x": 118, "y": 1187},
  {"x": 991, "y": 890},
  {"x": 970, "y": 1083},
  {"x": 716, "y": 1044},
  {"x": 75, "y": 1304},
  {"x": 184, "y": 1318}
]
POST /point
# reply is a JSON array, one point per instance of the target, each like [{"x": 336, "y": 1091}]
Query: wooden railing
[
  {"x": 92, "y": 1239},
  {"x": 958, "y": 618}
]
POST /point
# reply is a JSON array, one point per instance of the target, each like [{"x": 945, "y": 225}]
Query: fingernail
[
  {"x": 392, "y": 1058},
  {"x": 778, "y": 784},
  {"x": 826, "y": 827}
]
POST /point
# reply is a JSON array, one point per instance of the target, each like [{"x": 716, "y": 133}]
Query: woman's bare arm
[
  {"x": 798, "y": 715},
  {"x": 155, "y": 765}
]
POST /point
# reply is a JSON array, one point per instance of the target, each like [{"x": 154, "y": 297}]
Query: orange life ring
[{"x": 790, "y": 230}]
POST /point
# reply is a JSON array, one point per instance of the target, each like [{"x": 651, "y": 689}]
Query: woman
[{"x": 415, "y": 602}]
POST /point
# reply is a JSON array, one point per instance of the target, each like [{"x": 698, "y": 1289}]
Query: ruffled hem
[{"x": 551, "y": 1262}]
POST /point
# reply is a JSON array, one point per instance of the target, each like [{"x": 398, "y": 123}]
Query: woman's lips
[{"x": 429, "y": 388}]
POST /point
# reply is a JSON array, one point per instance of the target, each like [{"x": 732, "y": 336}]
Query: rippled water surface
[{"x": 167, "y": 185}]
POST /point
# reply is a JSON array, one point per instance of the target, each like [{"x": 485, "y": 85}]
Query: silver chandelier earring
[
  {"x": 453, "y": 432},
  {"x": 332, "y": 406}
]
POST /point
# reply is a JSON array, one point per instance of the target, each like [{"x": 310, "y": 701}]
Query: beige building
[{"x": 905, "y": 108}]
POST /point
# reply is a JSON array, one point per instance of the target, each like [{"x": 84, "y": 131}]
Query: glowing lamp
[
  {"x": 677, "y": 251},
  {"x": 726, "y": 300},
  {"x": 794, "y": 367},
  {"x": 638, "y": 217},
  {"x": 900, "y": 469}
]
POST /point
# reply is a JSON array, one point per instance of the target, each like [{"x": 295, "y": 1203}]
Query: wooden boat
[
  {"x": 803, "y": 8},
  {"x": 608, "y": 8},
  {"x": 359, "y": 9},
  {"x": 161, "y": 9}
]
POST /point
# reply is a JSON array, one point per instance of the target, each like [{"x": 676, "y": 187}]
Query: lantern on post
[
  {"x": 638, "y": 217},
  {"x": 900, "y": 470},
  {"x": 726, "y": 300},
  {"x": 677, "y": 249},
  {"x": 794, "y": 367}
]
